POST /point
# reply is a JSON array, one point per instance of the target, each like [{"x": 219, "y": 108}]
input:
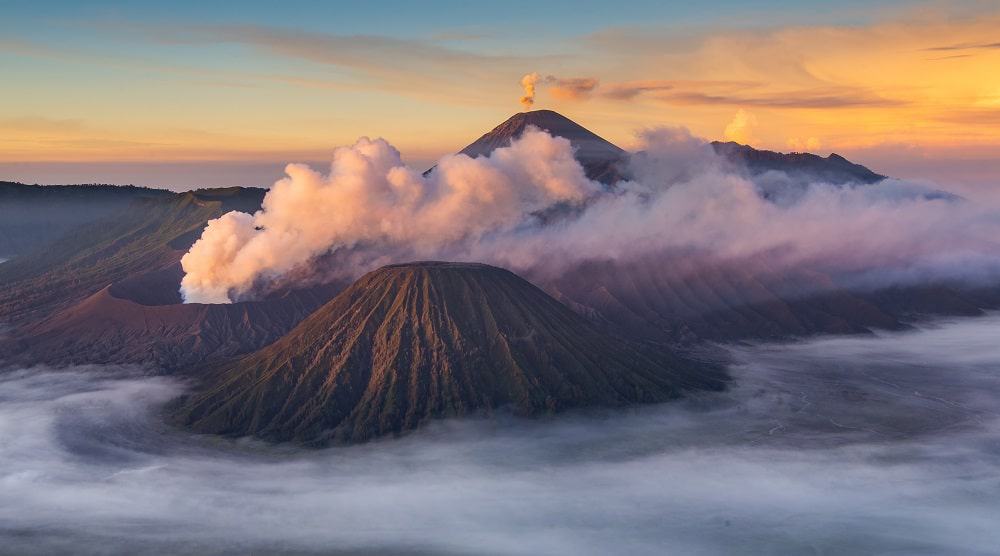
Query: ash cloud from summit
[{"x": 529, "y": 207}]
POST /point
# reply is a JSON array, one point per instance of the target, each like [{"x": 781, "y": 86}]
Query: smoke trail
[
  {"x": 562, "y": 88},
  {"x": 528, "y": 82}
]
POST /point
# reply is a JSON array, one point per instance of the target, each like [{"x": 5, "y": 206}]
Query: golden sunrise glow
[{"x": 915, "y": 78}]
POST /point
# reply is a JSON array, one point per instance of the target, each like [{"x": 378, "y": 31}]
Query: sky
[{"x": 187, "y": 94}]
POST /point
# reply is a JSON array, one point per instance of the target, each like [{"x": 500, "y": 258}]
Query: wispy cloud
[
  {"x": 628, "y": 90},
  {"x": 832, "y": 97},
  {"x": 744, "y": 93},
  {"x": 966, "y": 46},
  {"x": 41, "y": 124},
  {"x": 573, "y": 88},
  {"x": 972, "y": 117},
  {"x": 405, "y": 65}
]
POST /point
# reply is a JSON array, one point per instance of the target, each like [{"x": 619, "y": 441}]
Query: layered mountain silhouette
[
  {"x": 407, "y": 343},
  {"x": 108, "y": 291},
  {"x": 147, "y": 234},
  {"x": 32, "y": 216}
]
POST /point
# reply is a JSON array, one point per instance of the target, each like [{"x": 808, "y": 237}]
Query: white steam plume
[
  {"x": 529, "y": 207},
  {"x": 371, "y": 200}
]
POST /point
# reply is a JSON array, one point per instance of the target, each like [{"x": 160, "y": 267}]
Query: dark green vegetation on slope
[{"x": 407, "y": 343}]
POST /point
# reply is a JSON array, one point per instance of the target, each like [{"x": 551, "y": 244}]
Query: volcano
[
  {"x": 600, "y": 158},
  {"x": 411, "y": 342}
]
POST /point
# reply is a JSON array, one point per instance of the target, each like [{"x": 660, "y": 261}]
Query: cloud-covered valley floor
[{"x": 851, "y": 445}]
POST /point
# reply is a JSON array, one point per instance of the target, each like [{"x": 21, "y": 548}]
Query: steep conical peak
[
  {"x": 598, "y": 156},
  {"x": 411, "y": 342},
  {"x": 588, "y": 145}
]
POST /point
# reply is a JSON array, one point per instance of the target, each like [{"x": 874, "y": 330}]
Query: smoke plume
[
  {"x": 370, "y": 202},
  {"x": 562, "y": 88},
  {"x": 529, "y": 207},
  {"x": 528, "y": 83}
]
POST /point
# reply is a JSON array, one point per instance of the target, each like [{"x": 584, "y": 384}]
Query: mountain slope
[
  {"x": 689, "y": 298},
  {"x": 600, "y": 159},
  {"x": 32, "y": 216},
  {"x": 410, "y": 342},
  {"x": 149, "y": 234},
  {"x": 141, "y": 320},
  {"x": 108, "y": 292}
]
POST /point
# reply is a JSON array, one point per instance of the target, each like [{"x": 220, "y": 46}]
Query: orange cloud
[
  {"x": 574, "y": 88},
  {"x": 808, "y": 144}
]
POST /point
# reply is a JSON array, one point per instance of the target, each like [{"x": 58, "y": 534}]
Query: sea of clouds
[{"x": 877, "y": 444}]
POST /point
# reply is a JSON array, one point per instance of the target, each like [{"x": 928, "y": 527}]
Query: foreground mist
[{"x": 889, "y": 443}]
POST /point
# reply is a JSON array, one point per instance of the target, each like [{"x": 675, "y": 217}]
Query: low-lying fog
[{"x": 882, "y": 444}]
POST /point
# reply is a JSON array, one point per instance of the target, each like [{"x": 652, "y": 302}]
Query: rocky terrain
[{"x": 411, "y": 342}]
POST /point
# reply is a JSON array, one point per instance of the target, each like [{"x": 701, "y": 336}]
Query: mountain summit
[
  {"x": 831, "y": 169},
  {"x": 411, "y": 342},
  {"x": 599, "y": 157}
]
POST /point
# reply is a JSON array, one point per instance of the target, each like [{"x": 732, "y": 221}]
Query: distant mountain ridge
[
  {"x": 139, "y": 236},
  {"x": 831, "y": 169},
  {"x": 34, "y": 215}
]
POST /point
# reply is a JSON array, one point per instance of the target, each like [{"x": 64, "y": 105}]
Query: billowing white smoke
[
  {"x": 530, "y": 208},
  {"x": 370, "y": 199},
  {"x": 685, "y": 199}
]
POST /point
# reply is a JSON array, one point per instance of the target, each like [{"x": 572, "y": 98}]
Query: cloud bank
[
  {"x": 529, "y": 207},
  {"x": 884, "y": 444}
]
